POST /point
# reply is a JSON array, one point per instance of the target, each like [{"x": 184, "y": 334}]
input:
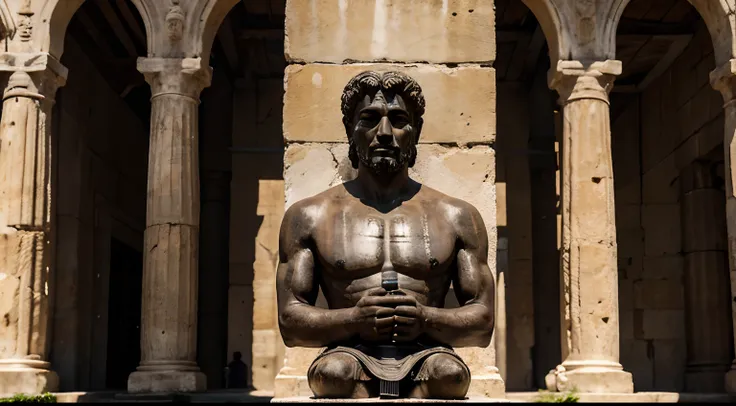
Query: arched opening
[
  {"x": 101, "y": 130},
  {"x": 527, "y": 199},
  {"x": 242, "y": 190},
  {"x": 667, "y": 146}
]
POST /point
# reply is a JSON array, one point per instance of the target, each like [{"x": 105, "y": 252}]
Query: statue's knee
[
  {"x": 334, "y": 376},
  {"x": 447, "y": 377}
]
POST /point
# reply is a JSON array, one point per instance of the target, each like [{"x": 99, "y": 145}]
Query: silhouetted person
[{"x": 237, "y": 373}]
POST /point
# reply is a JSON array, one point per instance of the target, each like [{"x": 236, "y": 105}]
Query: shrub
[
  {"x": 550, "y": 397},
  {"x": 23, "y": 398}
]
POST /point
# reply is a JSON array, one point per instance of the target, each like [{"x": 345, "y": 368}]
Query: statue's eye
[
  {"x": 368, "y": 117},
  {"x": 400, "y": 121}
]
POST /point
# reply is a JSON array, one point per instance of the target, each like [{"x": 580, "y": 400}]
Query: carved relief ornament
[{"x": 175, "y": 21}]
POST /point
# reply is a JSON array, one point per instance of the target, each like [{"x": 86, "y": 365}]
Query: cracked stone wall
[{"x": 449, "y": 47}]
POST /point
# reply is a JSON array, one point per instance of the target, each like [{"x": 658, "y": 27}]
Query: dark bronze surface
[{"x": 384, "y": 249}]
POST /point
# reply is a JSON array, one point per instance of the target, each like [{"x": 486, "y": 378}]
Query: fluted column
[
  {"x": 26, "y": 222},
  {"x": 724, "y": 80},
  {"x": 708, "y": 319},
  {"x": 588, "y": 257},
  {"x": 169, "y": 306}
]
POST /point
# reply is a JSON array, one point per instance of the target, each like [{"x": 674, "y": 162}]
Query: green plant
[
  {"x": 23, "y": 398},
  {"x": 551, "y": 397}
]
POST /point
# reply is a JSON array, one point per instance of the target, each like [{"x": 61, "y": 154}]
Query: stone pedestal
[
  {"x": 588, "y": 263},
  {"x": 169, "y": 307},
  {"x": 724, "y": 79},
  {"x": 706, "y": 279},
  {"x": 26, "y": 222}
]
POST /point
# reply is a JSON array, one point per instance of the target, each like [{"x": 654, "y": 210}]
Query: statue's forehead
[{"x": 382, "y": 97}]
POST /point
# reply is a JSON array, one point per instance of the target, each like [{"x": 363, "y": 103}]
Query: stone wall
[
  {"x": 455, "y": 155},
  {"x": 102, "y": 162},
  {"x": 257, "y": 206},
  {"x": 656, "y": 134}
]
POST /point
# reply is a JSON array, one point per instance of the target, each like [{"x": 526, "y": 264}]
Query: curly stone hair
[{"x": 370, "y": 82}]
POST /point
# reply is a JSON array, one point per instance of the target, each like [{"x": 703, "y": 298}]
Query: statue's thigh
[
  {"x": 442, "y": 376},
  {"x": 338, "y": 375}
]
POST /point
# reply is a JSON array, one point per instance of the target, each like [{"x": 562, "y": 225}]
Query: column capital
[
  {"x": 575, "y": 80},
  {"x": 723, "y": 79},
  {"x": 176, "y": 76},
  {"x": 36, "y": 75}
]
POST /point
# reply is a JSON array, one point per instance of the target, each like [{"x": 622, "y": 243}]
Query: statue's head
[{"x": 382, "y": 113}]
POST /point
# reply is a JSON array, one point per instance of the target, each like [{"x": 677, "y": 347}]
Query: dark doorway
[{"x": 124, "y": 314}]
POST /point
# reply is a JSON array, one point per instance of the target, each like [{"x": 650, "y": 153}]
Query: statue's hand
[
  {"x": 374, "y": 319},
  {"x": 375, "y": 314},
  {"x": 408, "y": 320}
]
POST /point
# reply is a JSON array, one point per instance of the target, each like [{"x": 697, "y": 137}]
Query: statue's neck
[{"x": 383, "y": 188}]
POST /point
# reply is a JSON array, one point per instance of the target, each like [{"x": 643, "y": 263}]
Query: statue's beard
[{"x": 383, "y": 165}]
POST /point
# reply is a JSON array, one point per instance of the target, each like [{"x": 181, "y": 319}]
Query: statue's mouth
[{"x": 384, "y": 151}]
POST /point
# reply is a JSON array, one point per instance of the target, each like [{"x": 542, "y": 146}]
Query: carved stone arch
[
  {"x": 548, "y": 16},
  {"x": 7, "y": 22},
  {"x": 55, "y": 16},
  {"x": 207, "y": 17},
  {"x": 718, "y": 16}
]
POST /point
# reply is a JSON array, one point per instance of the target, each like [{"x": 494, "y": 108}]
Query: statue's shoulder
[
  {"x": 443, "y": 202},
  {"x": 313, "y": 207}
]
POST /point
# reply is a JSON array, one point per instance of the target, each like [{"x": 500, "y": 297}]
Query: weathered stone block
[
  {"x": 630, "y": 242},
  {"x": 669, "y": 365},
  {"x": 663, "y": 267},
  {"x": 460, "y": 102},
  {"x": 661, "y": 183},
  {"x": 659, "y": 294},
  {"x": 625, "y": 296},
  {"x": 370, "y": 30},
  {"x": 661, "y": 224},
  {"x": 519, "y": 295},
  {"x": 240, "y": 273},
  {"x": 637, "y": 358},
  {"x": 628, "y": 192},
  {"x": 629, "y": 267},
  {"x": 659, "y": 324},
  {"x": 710, "y": 136},
  {"x": 628, "y": 216}
]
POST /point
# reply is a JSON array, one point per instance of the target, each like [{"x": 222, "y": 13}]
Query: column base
[
  {"x": 731, "y": 379},
  {"x": 22, "y": 376},
  {"x": 705, "y": 379},
  {"x": 288, "y": 386},
  {"x": 166, "y": 381},
  {"x": 487, "y": 386},
  {"x": 590, "y": 377}
]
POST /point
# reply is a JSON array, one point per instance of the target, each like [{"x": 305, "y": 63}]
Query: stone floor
[{"x": 241, "y": 396}]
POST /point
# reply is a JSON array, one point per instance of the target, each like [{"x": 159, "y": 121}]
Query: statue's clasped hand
[{"x": 384, "y": 317}]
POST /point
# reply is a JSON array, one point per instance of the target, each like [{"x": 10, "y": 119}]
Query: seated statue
[{"x": 384, "y": 249}]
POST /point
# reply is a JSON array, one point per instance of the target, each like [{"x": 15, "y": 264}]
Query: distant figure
[{"x": 237, "y": 374}]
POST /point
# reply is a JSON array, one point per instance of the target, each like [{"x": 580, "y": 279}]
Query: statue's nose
[{"x": 385, "y": 133}]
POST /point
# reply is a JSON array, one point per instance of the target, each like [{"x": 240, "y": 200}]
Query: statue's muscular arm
[
  {"x": 471, "y": 324},
  {"x": 297, "y": 286}
]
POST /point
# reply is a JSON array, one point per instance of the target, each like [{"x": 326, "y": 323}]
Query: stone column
[
  {"x": 169, "y": 306},
  {"x": 706, "y": 279},
  {"x": 724, "y": 80},
  {"x": 588, "y": 262},
  {"x": 27, "y": 222}
]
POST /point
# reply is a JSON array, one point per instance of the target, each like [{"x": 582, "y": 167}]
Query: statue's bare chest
[{"x": 358, "y": 241}]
